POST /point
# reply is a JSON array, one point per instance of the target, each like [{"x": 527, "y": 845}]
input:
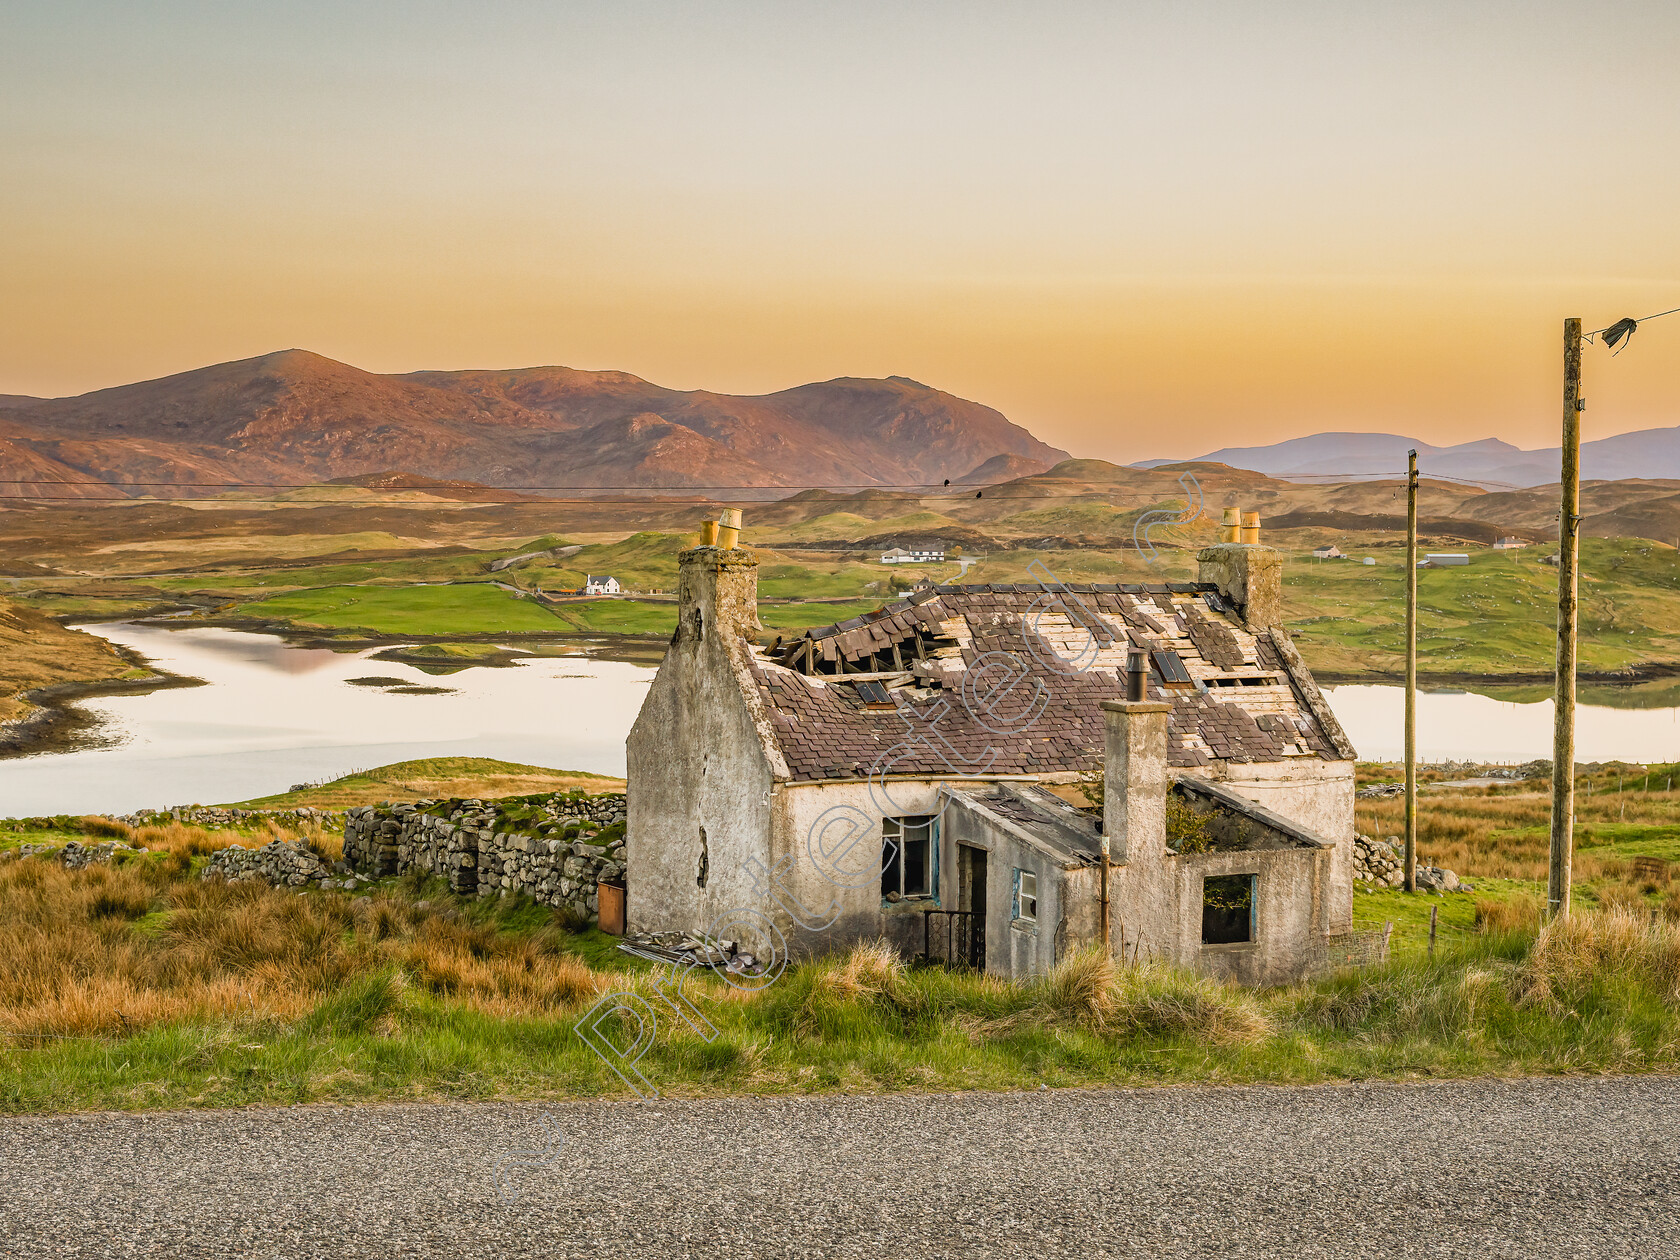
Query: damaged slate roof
[
  {"x": 1071, "y": 836},
  {"x": 996, "y": 680}
]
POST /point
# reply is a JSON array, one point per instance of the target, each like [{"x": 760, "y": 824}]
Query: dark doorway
[
  {"x": 1227, "y": 909},
  {"x": 971, "y": 876}
]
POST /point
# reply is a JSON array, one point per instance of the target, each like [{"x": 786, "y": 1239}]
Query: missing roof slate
[
  {"x": 1170, "y": 666},
  {"x": 874, "y": 695}
]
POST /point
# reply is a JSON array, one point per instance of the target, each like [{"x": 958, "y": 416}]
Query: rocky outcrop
[{"x": 554, "y": 848}]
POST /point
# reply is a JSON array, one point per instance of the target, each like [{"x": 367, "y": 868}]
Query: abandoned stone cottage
[{"x": 891, "y": 776}]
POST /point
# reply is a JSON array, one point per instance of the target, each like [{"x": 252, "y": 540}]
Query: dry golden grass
[
  {"x": 1089, "y": 989},
  {"x": 1505, "y": 836},
  {"x": 439, "y": 778},
  {"x": 115, "y": 948},
  {"x": 1572, "y": 952},
  {"x": 872, "y": 969},
  {"x": 35, "y": 651},
  {"x": 183, "y": 840},
  {"x": 1514, "y": 914}
]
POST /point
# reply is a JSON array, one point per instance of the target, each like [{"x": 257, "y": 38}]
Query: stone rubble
[
  {"x": 556, "y": 857},
  {"x": 1377, "y": 862},
  {"x": 1380, "y": 863}
]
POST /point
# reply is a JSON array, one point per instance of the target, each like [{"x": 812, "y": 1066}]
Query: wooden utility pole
[
  {"x": 1569, "y": 547},
  {"x": 1411, "y": 670}
]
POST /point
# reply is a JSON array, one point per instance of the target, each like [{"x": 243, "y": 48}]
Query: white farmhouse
[
  {"x": 594, "y": 585},
  {"x": 919, "y": 553}
]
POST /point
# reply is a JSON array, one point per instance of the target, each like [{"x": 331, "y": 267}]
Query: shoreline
[{"x": 58, "y": 723}]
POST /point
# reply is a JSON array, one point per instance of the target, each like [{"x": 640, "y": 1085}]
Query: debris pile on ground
[
  {"x": 1377, "y": 862},
  {"x": 687, "y": 949}
]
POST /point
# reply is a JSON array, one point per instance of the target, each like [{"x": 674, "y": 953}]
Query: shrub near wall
[{"x": 555, "y": 848}]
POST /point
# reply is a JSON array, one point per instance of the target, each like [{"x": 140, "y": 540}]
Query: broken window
[
  {"x": 1026, "y": 896},
  {"x": 907, "y": 857},
  {"x": 1227, "y": 909}
]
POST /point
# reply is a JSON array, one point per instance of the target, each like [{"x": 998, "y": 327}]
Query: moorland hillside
[{"x": 297, "y": 416}]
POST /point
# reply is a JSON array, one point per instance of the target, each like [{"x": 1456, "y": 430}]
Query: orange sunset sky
[{"x": 1140, "y": 230}]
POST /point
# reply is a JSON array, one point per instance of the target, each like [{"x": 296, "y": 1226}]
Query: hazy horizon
[{"x": 1138, "y": 235}]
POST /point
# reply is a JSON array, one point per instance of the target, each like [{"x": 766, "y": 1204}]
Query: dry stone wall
[
  {"x": 285, "y": 864},
  {"x": 226, "y": 817},
  {"x": 554, "y": 848}
]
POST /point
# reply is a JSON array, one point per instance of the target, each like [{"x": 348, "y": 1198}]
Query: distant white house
[
  {"x": 1444, "y": 560},
  {"x": 1329, "y": 552},
  {"x": 920, "y": 554},
  {"x": 1510, "y": 544},
  {"x": 593, "y": 585}
]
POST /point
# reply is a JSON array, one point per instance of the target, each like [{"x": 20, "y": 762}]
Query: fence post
[{"x": 1434, "y": 913}]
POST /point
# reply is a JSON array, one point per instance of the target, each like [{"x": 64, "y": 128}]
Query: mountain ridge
[
  {"x": 294, "y": 415},
  {"x": 1493, "y": 462}
]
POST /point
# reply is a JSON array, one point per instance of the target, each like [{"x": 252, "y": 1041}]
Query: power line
[{"x": 1599, "y": 331}]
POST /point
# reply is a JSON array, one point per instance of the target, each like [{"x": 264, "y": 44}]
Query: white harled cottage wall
[{"x": 700, "y": 772}]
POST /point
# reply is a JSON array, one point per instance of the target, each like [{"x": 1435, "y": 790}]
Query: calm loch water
[{"x": 273, "y": 715}]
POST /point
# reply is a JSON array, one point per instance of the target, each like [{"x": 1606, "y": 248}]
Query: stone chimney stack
[
  {"x": 1247, "y": 573},
  {"x": 1135, "y": 778},
  {"x": 717, "y": 588}
]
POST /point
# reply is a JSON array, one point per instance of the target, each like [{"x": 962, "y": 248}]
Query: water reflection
[
  {"x": 1515, "y": 724},
  {"x": 274, "y": 715}
]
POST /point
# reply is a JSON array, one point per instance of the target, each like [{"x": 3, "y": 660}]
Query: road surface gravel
[{"x": 1529, "y": 1168}]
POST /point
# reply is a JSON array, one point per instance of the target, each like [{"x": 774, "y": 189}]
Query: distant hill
[
  {"x": 1648, "y": 453},
  {"x": 297, "y": 416}
]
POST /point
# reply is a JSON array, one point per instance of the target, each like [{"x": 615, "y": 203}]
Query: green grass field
[
  {"x": 473, "y": 608},
  {"x": 1496, "y": 615},
  {"x": 1491, "y": 618}
]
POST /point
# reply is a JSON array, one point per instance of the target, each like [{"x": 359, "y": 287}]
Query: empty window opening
[
  {"x": 705, "y": 861},
  {"x": 907, "y": 857},
  {"x": 1026, "y": 896},
  {"x": 1227, "y": 909}
]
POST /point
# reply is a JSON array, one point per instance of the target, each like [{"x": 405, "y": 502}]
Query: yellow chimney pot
[
  {"x": 729, "y": 528},
  {"x": 1230, "y": 529},
  {"x": 1251, "y": 528},
  {"x": 708, "y": 533}
]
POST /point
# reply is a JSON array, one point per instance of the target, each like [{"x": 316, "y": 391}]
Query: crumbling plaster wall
[
  {"x": 700, "y": 780},
  {"x": 1291, "y": 914},
  {"x": 1319, "y": 796}
]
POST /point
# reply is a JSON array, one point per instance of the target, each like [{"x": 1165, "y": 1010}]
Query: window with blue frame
[{"x": 1026, "y": 896}]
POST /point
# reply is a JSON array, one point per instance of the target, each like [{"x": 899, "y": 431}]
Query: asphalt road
[{"x": 1541, "y": 1168}]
